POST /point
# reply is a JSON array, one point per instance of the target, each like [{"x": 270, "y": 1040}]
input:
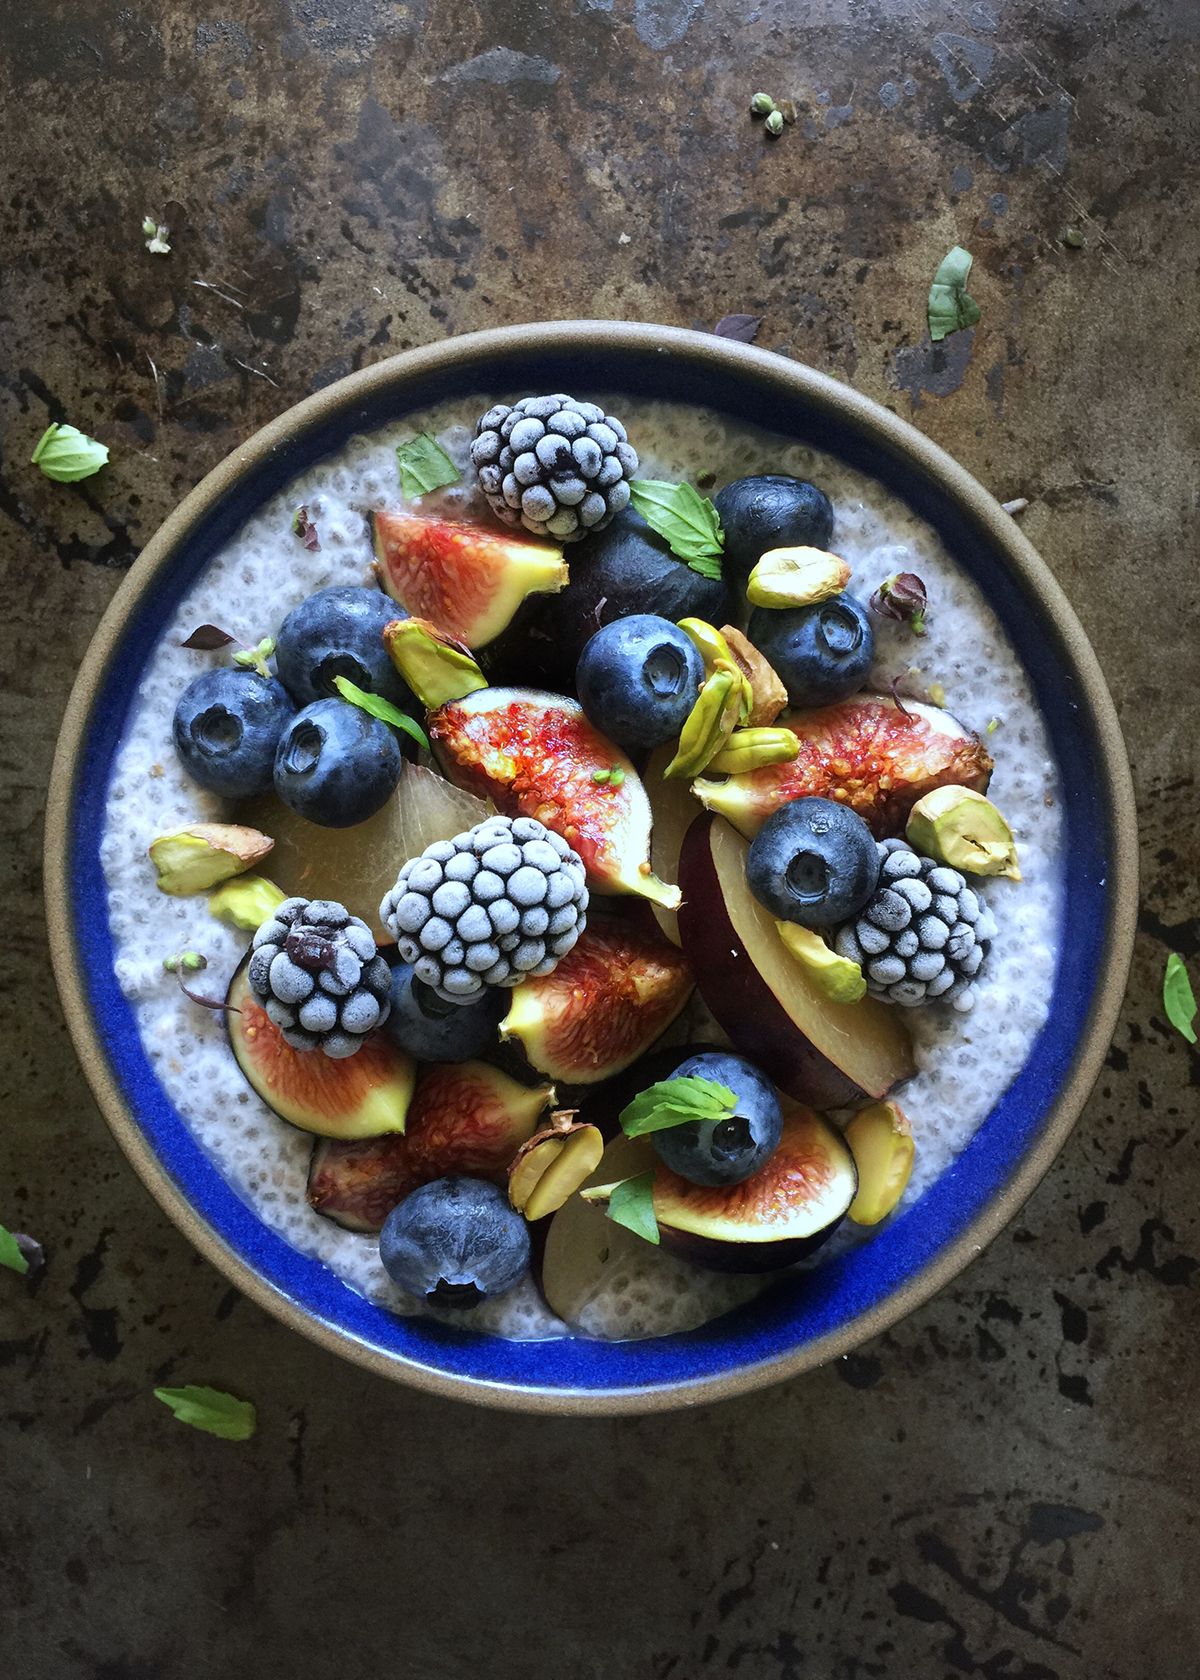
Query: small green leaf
[
  {"x": 424, "y": 466},
  {"x": 66, "y": 454},
  {"x": 632, "y": 1205},
  {"x": 10, "y": 1253},
  {"x": 672, "y": 1102},
  {"x": 210, "y": 1410},
  {"x": 382, "y": 709},
  {"x": 1178, "y": 1001},
  {"x": 688, "y": 521},
  {"x": 950, "y": 308}
]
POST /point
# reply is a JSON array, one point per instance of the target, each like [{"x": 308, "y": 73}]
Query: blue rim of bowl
[{"x": 852, "y": 1298}]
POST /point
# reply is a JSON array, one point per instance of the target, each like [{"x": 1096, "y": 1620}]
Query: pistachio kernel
[
  {"x": 438, "y": 668},
  {"x": 761, "y": 105},
  {"x": 961, "y": 828},
  {"x": 774, "y": 124},
  {"x": 840, "y": 979},
  {"x": 881, "y": 1141},
  {"x": 752, "y": 749},
  {"x": 796, "y": 577},
  {"x": 551, "y": 1165}
]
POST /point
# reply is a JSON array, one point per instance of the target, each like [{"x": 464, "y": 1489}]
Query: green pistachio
[
  {"x": 435, "y": 666},
  {"x": 710, "y": 723},
  {"x": 840, "y": 979},
  {"x": 961, "y": 828},
  {"x": 774, "y": 124},
  {"x": 751, "y": 749},
  {"x": 246, "y": 901},
  {"x": 66, "y": 454},
  {"x": 762, "y": 105}
]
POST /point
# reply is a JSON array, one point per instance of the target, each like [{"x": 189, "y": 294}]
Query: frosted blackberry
[
  {"x": 925, "y": 934},
  {"x": 314, "y": 968},
  {"x": 499, "y": 904},
  {"x": 559, "y": 467}
]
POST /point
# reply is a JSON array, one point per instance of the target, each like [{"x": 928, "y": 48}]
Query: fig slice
[
  {"x": 466, "y": 580},
  {"x": 362, "y": 1096},
  {"x": 357, "y": 866},
  {"x": 870, "y": 753},
  {"x": 776, "y": 1013},
  {"x": 535, "y": 755},
  {"x": 788, "y": 1208},
  {"x": 610, "y": 997},
  {"x": 465, "y": 1117}
]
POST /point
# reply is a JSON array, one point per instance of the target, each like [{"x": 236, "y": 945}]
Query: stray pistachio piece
[
  {"x": 710, "y": 643},
  {"x": 768, "y": 696},
  {"x": 66, "y": 454},
  {"x": 796, "y": 577},
  {"x": 438, "y": 668},
  {"x": 881, "y": 1141},
  {"x": 838, "y": 977},
  {"x": 553, "y": 1164},
  {"x": 246, "y": 901},
  {"x": 774, "y": 124},
  {"x": 762, "y": 105},
  {"x": 255, "y": 658},
  {"x": 961, "y": 828},
  {"x": 752, "y": 749},
  {"x": 710, "y": 723},
  {"x": 189, "y": 860}
]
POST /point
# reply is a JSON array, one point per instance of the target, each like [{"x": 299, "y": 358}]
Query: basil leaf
[
  {"x": 424, "y": 465},
  {"x": 683, "y": 516},
  {"x": 10, "y": 1253},
  {"x": 950, "y": 308},
  {"x": 381, "y": 709},
  {"x": 66, "y": 454},
  {"x": 673, "y": 1101},
  {"x": 632, "y": 1205},
  {"x": 208, "y": 637},
  {"x": 1178, "y": 1001},
  {"x": 210, "y": 1410}
]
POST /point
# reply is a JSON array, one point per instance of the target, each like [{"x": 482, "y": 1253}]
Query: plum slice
[
  {"x": 465, "y": 1117},
  {"x": 536, "y": 755},
  {"x": 610, "y": 997},
  {"x": 362, "y": 1096},
  {"x": 466, "y": 580},
  {"x": 818, "y": 1051},
  {"x": 869, "y": 753}
]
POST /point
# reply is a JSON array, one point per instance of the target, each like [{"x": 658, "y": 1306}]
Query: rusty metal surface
[{"x": 1005, "y": 1484}]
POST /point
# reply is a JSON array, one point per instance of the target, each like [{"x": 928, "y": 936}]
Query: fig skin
[{"x": 626, "y": 568}]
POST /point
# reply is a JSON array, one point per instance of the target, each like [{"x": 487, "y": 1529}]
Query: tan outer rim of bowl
[{"x": 770, "y": 372}]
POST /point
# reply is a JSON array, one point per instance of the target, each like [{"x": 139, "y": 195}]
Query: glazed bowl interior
[{"x": 804, "y": 1321}]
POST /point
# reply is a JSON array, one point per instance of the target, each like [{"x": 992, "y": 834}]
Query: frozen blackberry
[
  {"x": 923, "y": 937},
  {"x": 557, "y": 466},
  {"x": 499, "y": 904},
  {"x": 314, "y": 968}
]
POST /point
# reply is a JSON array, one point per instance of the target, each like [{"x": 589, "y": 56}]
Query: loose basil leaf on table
[
  {"x": 211, "y": 1410},
  {"x": 1178, "y": 1001},
  {"x": 950, "y": 307}
]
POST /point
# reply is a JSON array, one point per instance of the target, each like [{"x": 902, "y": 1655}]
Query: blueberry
[
  {"x": 433, "y": 1030},
  {"x": 336, "y": 765},
  {"x": 814, "y": 862},
  {"x": 771, "y": 512},
  {"x": 638, "y": 679},
  {"x": 455, "y": 1242},
  {"x": 724, "y": 1151},
  {"x": 227, "y": 726},
  {"x": 822, "y": 653},
  {"x": 339, "y": 633}
]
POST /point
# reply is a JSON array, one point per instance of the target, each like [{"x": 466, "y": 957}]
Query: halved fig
[
  {"x": 870, "y": 753},
  {"x": 784, "y": 1211},
  {"x": 357, "y": 866},
  {"x": 610, "y": 997},
  {"x": 465, "y": 1117},
  {"x": 818, "y": 1051},
  {"x": 535, "y": 755},
  {"x": 363, "y": 1096},
  {"x": 674, "y": 808},
  {"x": 466, "y": 580}
]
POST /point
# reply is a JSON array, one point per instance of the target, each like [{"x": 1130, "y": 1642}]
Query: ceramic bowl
[{"x": 853, "y": 1297}]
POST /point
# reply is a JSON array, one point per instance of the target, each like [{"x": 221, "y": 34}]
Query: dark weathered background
[{"x": 1003, "y": 1486}]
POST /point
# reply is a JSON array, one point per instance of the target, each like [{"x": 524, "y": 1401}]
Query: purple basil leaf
[
  {"x": 741, "y": 327},
  {"x": 208, "y": 637},
  {"x": 35, "y": 1255}
]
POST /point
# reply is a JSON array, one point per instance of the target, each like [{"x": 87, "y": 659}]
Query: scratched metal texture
[{"x": 1004, "y": 1485}]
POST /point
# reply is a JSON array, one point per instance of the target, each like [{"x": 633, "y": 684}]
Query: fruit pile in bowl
[{"x": 589, "y": 890}]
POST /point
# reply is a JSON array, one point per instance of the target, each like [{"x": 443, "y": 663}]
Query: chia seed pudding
[{"x": 964, "y": 661}]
